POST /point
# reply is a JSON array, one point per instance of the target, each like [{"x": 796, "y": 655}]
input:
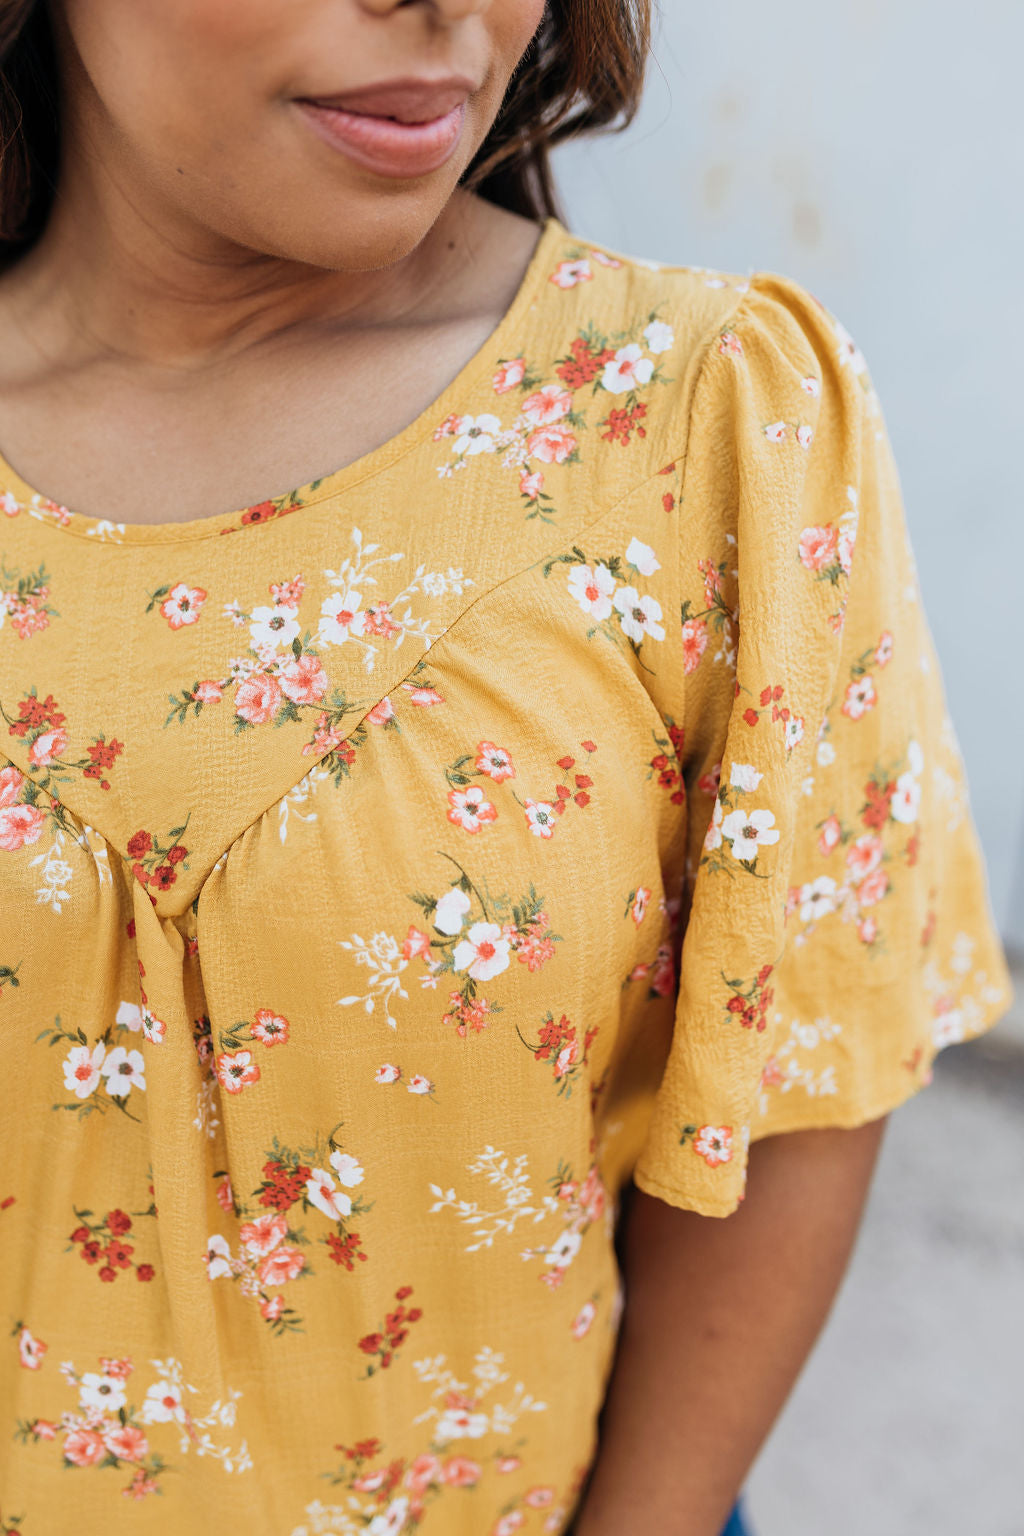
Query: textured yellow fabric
[{"x": 565, "y": 789}]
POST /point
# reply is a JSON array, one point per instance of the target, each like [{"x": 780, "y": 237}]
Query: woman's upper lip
[{"x": 408, "y": 100}]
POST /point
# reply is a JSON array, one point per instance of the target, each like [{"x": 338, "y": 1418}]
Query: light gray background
[{"x": 874, "y": 151}]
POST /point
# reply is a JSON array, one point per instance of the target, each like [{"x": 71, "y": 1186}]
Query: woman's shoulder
[{"x": 708, "y": 309}]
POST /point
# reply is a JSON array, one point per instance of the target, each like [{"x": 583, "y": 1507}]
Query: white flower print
[
  {"x": 540, "y": 817},
  {"x": 860, "y": 697},
  {"x": 320, "y": 1191},
  {"x": 592, "y": 587},
  {"x": 748, "y": 831},
  {"x": 274, "y": 626},
  {"x": 105, "y": 1393},
  {"x": 483, "y": 953},
  {"x": 811, "y": 385},
  {"x": 388, "y": 1073},
  {"x": 391, "y": 1520},
  {"x": 218, "y": 1258},
  {"x": 659, "y": 336},
  {"x": 347, "y": 1169},
  {"x": 451, "y": 910},
  {"x": 564, "y": 1249},
  {"x": 817, "y": 899},
  {"x": 906, "y": 800},
  {"x": 476, "y": 434},
  {"x": 639, "y": 615},
  {"x": 713, "y": 836},
  {"x": 340, "y": 618},
  {"x": 627, "y": 369},
  {"x": 642, "y": 557},
  {"x": 850, "y": 355},
  {"x": 568, "y": 273},
  {"x": 163, "y": 1403},
  {"x": 419, "y": 1084},
  {"x": 744, "y": 776},
  {"x": 775, "y": 432},
  {"x": 82, "y": 1069},
  {"x": 123, "y": 1070}
]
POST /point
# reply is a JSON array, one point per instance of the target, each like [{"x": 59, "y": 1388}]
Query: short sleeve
[{"x": 837, "y": 928}]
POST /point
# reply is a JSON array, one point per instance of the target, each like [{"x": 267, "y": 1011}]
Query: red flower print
[
  {"x": 182, "y": 605},
  {"x": 236, "y": 1069},
  {"x": 138, "y": 844},
  {"x": 145, "y": 1272},
  {"x": 269, "y": 1027},
  {"x": 118, "y": 1222}
]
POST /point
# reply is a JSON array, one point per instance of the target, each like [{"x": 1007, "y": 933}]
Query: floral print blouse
[{"x": 560, "y": 794}]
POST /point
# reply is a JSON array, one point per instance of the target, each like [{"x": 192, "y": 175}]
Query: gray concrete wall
[{"x": 874, "y": 151}]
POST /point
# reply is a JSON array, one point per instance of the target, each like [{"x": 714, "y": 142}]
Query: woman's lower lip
[{"x": 385, "y": 146}]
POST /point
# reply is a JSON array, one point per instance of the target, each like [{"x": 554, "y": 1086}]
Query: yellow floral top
[{"x": 562, "y": 792}]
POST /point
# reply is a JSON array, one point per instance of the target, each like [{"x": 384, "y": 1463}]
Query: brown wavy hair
[{"x": 583, "y": 71}]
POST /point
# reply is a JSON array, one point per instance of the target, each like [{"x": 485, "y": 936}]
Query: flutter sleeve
[{"x": 837, "y": 930}]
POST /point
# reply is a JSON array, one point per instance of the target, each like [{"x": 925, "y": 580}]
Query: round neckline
[{"x": 326, "y": 486}]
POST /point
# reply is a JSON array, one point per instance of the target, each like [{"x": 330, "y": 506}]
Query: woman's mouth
[{"x": 403, "y": 142}]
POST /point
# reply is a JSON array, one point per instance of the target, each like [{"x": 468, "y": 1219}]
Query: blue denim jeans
[{"x": 736, "y": 1525}]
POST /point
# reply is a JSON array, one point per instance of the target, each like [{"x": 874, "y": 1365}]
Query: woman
[{"x": 440, "y": 869}]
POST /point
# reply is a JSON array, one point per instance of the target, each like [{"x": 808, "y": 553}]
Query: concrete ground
[{"x": 909, "y": 1418}]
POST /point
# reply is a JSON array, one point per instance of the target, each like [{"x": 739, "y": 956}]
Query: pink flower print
[
  {"x": 539, "y": 1498},
  {"x": 422, "y": 1472},
  {"x": 860, "y": 697},
  {"x": 460, "y": 1472},
  {"x": 867, "y": 930},
  {"x": 304, "y": 680},
  {"x": 11, "y": 780},
  {"x": 269, "y": 1027},
  {"x": 592, "y": 587},
  {"x": 581, "y": 1323},
  {"x": 509, "y": 374},
  {"x": 873, "y": 888},
  {"x": 280, "y": 1265},
  {"x": 225, "y": 1194},
  {"x": 547, "y": 405},
  {"x": 829, "y": 837},
  {"x": 257, "y": 698},
  {"x": 423, "y": 697},
  {"x": 288, "y": 594},
  {"x": 381, "y": 713},
  {"x": 695, "y": 643},
  {"x": 508, "y": 1464},
  {"x": 377, "y": 621},
  {"x": 30, "y": 1350},
  {"x": 509, "y": 1524},
  {"x": 19, "y": 824},
  {"x": 183, "y": 604},
  {"x": 236, "y": 1069},
  {"x": 663, "y": 972},
  {"x": 604, "y": 260},
  {"x": 568, "y": 273},
  {"x": 483, "y": 953},
  {"x": 263, "y": 1234},
  {"x": 552, "y": 444},
  {"x": 641, "y": 897},
  {"x": 864, "y": 856},
  {"x": 208, "y": 692},
  {"x": 84, "y": 1447},
  {"x": 126, "y": 1442},
  {"x": 540, "y": 817},
  {"x": 494, "y": 761},
  {"x": 531, "y": 485},
  {"x": 271, "y": 1308},
  {"x": 818, "y": 548},
  {"x": 469, "y": 809},
  {"x": 47, "y": 746},
  {"x": 628, "y": 369},
  {"x": 729, "y": 344},
  {"x": 883, "y": 655},
  {"x": 340, "y": 618},
  {"x": 325, "y": 738},
  {"x": 714, "y": 1144}
]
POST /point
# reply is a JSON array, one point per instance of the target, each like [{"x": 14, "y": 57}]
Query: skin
[
  {"x": 222, "y": 300},
  {"x": 232, "y": 299}
]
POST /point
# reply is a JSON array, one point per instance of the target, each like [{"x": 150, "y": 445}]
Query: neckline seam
[{"x": 376, "y": 461}]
